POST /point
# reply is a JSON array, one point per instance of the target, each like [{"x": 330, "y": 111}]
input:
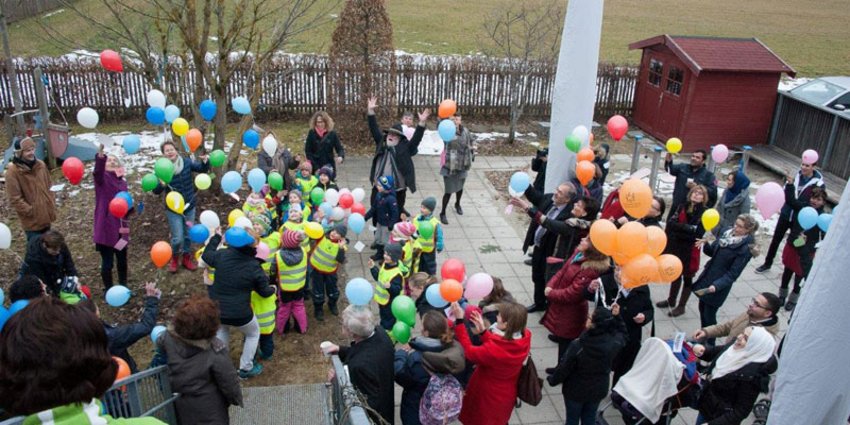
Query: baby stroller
[{"x": 659, "y": 383}]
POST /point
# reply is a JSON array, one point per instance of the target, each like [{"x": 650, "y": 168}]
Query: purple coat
[{"x": 106, "y": 185}]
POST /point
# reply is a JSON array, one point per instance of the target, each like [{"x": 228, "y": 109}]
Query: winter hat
[
  {"x": 291, "y": 239},
  {"x": 264, "y": 222},
  {"x": 396, "y": 129},
  {"x": 22, "y": 144},
  {"x": 307, "y": 165},
  {"x": 394, "y": 251},
  {"x": 341, "y": 229},
  {"x": 296, "y": 192},
  {"x": 386, "y": 182},
  {"x": 404, "y": 228},
  {"x": 430, "y": 203},
  {"x": 328, "y": 171},
  {"x": 295, "y": 208}
]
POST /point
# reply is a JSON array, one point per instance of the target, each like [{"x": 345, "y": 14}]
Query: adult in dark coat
[
  {"x": 798, "y": 257},
  {"x": 322, "y": 146},
  {"x": 282, "y": 162},
  {"x": 538, "y": 165},
  {"x": 49, "y": 259},
  {"x": 689, "y": 175},
  {"x": 683, "y": 229}
]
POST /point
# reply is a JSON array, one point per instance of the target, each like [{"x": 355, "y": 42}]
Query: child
[
  {"x": 385, "y": 209},
  {"x": 490, "y": 304},
  {"x": 263, "y": 227},
  {"x": 305, "y": 181},
  {"x": 418, "y": 284},
  {"x": 326, "y": 182},
  {"x": 390, "y": 280},
  {"x": 403, "y": 235},
  {"x": 255, "y": 204},
  {"x": 799, "y": 251},
  {"x": 294, "y": 198},
  {"x": 264, "y": 309},
  {"x": 289, "y": 271},
  {"x": 428, "y": 258},
  {"x": 325, "y": 258}
]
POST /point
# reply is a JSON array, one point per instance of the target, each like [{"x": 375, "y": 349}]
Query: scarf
[
  {"x": 759, "y": 349},
  {"x": 498, "y": 332},
  {"x": 178, "y": 165},
  {"x": 21, "y": 161},
  {"x": 321, "y": 132},
  {"x": 742, "y": 182},
  {"x": 729, "y": 238}
]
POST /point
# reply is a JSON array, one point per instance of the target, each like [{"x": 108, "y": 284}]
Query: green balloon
[
  {"x": 317, "y": 195},
  {"x": 164, "y": 169},
  {"x": 275, "y": 180},
  {"x": 573, "y": 143},
  {"x": 217, "y": 158},
  {"x": 149, "y": 182},
  {"x": 203, "y": 181},
  {"x": 426, "y": 230},
  {"x": 404, "y": 309},
  {"x": 401, "y": 332}
]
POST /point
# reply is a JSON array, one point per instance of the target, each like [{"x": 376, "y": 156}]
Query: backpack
[{"x": 441, "y": 401}]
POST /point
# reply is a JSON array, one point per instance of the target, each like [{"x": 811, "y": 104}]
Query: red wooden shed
[{"x": 707, "y": 90}]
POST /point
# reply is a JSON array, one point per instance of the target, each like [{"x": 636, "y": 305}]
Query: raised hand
[
  {"x": 373, "y": 103},
  {"x": 423, "y": 116}
]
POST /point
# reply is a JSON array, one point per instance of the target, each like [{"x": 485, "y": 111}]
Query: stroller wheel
[{"x": 761, "y": 409}]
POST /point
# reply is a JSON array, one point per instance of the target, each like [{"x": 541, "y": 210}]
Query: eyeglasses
[{"x": 755, "y": 303}]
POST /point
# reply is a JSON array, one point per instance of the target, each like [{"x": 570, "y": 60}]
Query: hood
[
  {"x": 449, "y": 360},
  {"x": 601, "y": 266},
  {"x": 292, "y": 256},
  {"x": 187, "y": 348},
  {"x": 597, "y": 342}
]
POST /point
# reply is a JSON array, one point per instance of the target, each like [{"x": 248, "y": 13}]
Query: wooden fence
[
  {"x": 297, "y": 85},
  {"x": 15, "y": 10}
]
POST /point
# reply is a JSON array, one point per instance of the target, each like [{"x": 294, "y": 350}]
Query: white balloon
[
  {"x": 337, "y": 214},
  {"x": 210, "y": 219},
  {"x": 5, "y": 236},
  {"x": 332, "y": 197},
  {"x": 582, "y": 134},
  {"x": 359, "y": 194},
  {"x": 156, "y": 99},
  {"x": 87, "y": 117},
  {"x": 270, "y": 145},
  {"x": 244, "y": 222}
]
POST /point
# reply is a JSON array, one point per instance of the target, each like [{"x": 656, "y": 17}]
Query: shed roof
[{"x": 720, "y": 54}]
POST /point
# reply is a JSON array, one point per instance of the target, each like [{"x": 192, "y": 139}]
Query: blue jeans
[
  {"x": 180, "y": 242},
  {"x": 578, "y": 411},
  {"x": 707, "y": 317}
]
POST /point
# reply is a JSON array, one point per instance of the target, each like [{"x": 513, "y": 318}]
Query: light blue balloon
[
  {"x": 824, "y": 221},
  {"x": 231, "y": 182},
  {"x": 241, "y": 105},
  {"x": 155, "y": 116},
  {"x": 132, "y": 143},
  {"x": 17, "y": 306},
  {"x": 356, "y": 223},
  {"x": 807, "y": 217},
  {"x": 199, "y": 233},
  {"x": 520, "y": 182},
  {"x": 326, "y": 208},
  {"x": 237, "y": 237},
  {"x": 251, "y": 138},
  {"x": 156, "y": 332},
  {"x": 447, "y": 130},
  {"x": 4, "y": 316},
  {"x": 172, "y": 112},
  {"x": 117, "y": 295},
  {"x": 256, "y": 179},
  {"x": 432, "y": 295},
  {"x": 208, "y": 110},
  {"x": 359, "y": 291},
  {"x": 2, "y": 297}
]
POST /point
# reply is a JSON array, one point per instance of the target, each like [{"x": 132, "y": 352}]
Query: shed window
[
  {"x": 675, "y": 77},
  {"x": 655, "y": 72}
]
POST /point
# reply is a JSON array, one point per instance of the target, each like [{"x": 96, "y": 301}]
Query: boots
[
  {"x": 783, "y": 294},
  {"x": 683, "y": 302},
  {"x": 443, "y": 218},
  {"x": 172, "y": 266},
  {"x": 670, "y": 302},
  {"x": 319, "y": 312},
  {"x": 106, "y": 277},
  {"x": 333, "y": 309},
  {"x": 188, "y": 264},
  {"x": 792, "y": 301}
]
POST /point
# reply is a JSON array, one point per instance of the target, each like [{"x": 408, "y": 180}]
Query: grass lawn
[{"x": 806, "y": 33}]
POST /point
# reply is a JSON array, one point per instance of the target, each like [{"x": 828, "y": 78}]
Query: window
[
  {"x": 655, "y": 68},
  {"x": 818, "y": 92},
  {"x": 675, "y": 77}
]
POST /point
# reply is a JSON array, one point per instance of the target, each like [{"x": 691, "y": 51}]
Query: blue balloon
[
  {"x": 132, "y": 143},
  {"x": 125, "y": 196},
  {"x": 199, "y": 233},
  {"x": 4, "y": 316},
  {"x": 520, "y": 182},
  {"x": 356, "y": 223},
  {"x": 824, "y": 221},
  {"x": 326, "y": 208},
  {"x": 117, "y": 295},
  {"x": 241, "y": 105},
  {"x": 172, "y": 112},
  {"x": 807, "y": 217},
  {"x": 358, "y": 291},
  {"x": 208, "y": 110},
  {"x": 237, "y": 237},
  {"x": 447, "y": 130},
  {"x": 231, "y": 182},
  {"x": 156, "y": 332},
  {"x": 432, "y": 295},
  {"x": 18, "y": 306},
  {"x": 256, "y": 179},
  {"x": 2, "y": 297},
  {"x": 155, "y": 116},
  {"x": 251, "y": 138}
]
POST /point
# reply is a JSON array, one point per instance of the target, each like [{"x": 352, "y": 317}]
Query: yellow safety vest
[
  {"x": 264, "y": 309},
  {"x": 298, "y": 227},
  {"x": 385, "y": 276},
  {"x": 210, "y": 271},
  {"x": 307, "y": 186},
  {"x": 427, "y": 245},
  {"x": 273, "y": 242},
  {"x": 324, "y": 254},
  {"x": 292, "y": 278},
  {"x": 407, "y": 257}
]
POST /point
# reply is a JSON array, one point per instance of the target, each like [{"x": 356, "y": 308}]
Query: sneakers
[
  {"x": 792, "y": 301},
  {"x": 188, "y": 264},
  {"x": 256, "y": 370},
  {"x": 763, "y": 268},
  {"x": 443, "y": 218},
  {"x": 458, "y": 209},
  {"x": 172, "y": 266},
  {"x": 528, "y": 262}
]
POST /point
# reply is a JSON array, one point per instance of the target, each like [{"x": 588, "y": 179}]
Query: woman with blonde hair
[{"x": 322, "y": 146}]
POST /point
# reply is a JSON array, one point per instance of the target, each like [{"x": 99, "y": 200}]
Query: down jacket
[{"x": 567, "y": 312}]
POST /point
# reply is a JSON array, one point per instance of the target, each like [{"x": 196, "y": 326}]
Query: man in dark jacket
[
  {"x": 538, "y": 164},
  {"x": 49, "y": 259},
  {"x": 688, "y": 176}
]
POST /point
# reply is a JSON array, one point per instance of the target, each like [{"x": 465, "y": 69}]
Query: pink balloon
[
  {"x": 617, "y": 127},
  {"x": 478, "y": 286},
  {"x": 408, "y": 132},
  {"x": 810, "y": 156},
  {"x": 719, "y": 153},
  {"x": 769, "y": 199},
  {"x": 263, "y": 251}
]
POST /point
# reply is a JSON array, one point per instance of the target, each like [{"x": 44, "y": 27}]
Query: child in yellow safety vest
[
  {"x": 390, "y": 278},
  {"x": 325, "y": 258},
  {"x": 403, "y": 235},
  {"x": 326, "y": 178},
  {"x": 289, "y": 271},
  {"x": 434, "y": 242},
  {"x": 294, "y": 200},
  {"x": 264, "y": 307},
  {"x": 305, "y": 181}
]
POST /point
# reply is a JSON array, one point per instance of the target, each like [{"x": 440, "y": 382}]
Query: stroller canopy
[{"x": 652, "y": 379}]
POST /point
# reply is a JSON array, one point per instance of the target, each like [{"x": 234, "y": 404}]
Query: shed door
[{"x": 665, "y": 87}]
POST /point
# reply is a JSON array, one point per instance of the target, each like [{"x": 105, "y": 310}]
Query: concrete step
[{"x": 306, "y": 404}]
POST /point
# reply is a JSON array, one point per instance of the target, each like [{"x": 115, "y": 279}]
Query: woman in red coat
[
  {"x": 491, "y": 394},
  {"x": 567, "y": 313}
]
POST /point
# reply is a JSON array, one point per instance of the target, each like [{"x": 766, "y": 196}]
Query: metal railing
[{"x": 345, "y": 406}]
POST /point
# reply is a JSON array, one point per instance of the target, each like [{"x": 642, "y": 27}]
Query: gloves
[{"x": 69, "y": 284}]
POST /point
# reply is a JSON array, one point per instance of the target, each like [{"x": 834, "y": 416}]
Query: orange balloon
[
  {"x": 620, "y": 258},
  {"x": 451, "y": 290},
  {"x": 636, "y": 197},
  {"x": 160, "y": 253},
  {"x": 657, "y": 240},
  {"x": 194, "y": 139},
  {"x": 123, "y": 368},
  {"x": 669, "y": 267},
  {"x": 603, "y": 236},
  {"x": 585, "y": 170},
  {"x": 632, "y": 239},
  {"x": 447, "y": 108},
  {"x": 586, "y": 154},
  {"x": 640, "y": 271}
]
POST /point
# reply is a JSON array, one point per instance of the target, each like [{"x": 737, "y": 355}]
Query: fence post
[
  {"x": 13, "y": 76},
  {"x": 776, "y": 116},
  {"x": 830, "y": 144},
  {"x": 653, "y": 176},
  {"x": 745, "y": 160},
  {"x": 636, "y": 154},
  {"x": 41, "y": 95}
]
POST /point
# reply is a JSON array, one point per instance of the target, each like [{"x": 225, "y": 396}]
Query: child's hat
[
  {"x": 264, "y": 221},
  {"x": 430, "y": 203},
  {"x": 341, "y": 229},
  {"x": 386, "y": 182},
  {"x": 394, "y": 251},
  {"x": 405, "y": 228},
  {"x": 327, "y": 170},
  {"x": 291, "y": 239}
]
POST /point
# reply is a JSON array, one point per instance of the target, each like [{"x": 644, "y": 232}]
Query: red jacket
[
  {"x": 612, "y": 208},
  {"x": 491, "y": 394},
  {"x": 567, "y": 313}
]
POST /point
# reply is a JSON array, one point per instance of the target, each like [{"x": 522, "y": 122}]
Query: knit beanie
[
  {"x": 386, "y": 182},
  {"x": 264, "y": 221},
  {"x": 394, "y": 251},
  {"x": 430, "y": 203},
  {"x": 291, "y": 239},
  {"x": 328, "y": 171},
  {"x": 405, "y": 228},
  {"x": 306, "y": 165},
  {"x": 341, "y": 229}
]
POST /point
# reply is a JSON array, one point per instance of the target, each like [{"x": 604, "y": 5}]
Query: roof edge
[{"x": 791, "y": 71}]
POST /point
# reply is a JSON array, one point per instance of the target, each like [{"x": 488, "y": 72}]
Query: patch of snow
[
  {"x": 57, "y": 187},
  {"x": 786, "y": 84},
  {"x": 333, "y": 15},
  {"x": 55, "y": 12}
]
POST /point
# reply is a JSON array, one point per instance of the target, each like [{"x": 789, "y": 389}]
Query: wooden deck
[{"x": 782, "y": 162}]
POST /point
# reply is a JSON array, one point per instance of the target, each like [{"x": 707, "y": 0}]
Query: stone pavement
[{"x": 487, "y": 240}]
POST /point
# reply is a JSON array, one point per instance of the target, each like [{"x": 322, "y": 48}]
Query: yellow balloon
[
  {"x": 674, "y": 145},
  {"x": 233, "y": 216},
  {"x": 175, "y": 202},
  {"x": 180, "y": 126},
  {"x": 710, "y": 218},
  {"x": 314, "y": 230}
]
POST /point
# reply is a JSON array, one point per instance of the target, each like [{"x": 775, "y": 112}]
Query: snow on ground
[{"x": 786, "y": 84}]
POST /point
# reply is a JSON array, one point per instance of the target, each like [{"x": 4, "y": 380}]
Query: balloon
[
  {"x": 251, "y": 138},
  {"x": 401, "y": 332},
  {"x": 117, "y": 295},
  {"x": 632, "y": 239},
  {"x": 160, "y": 253},
  {"x": 769, "y": 199},
  {"x": 270, "y": 145},
  {"x": 447, "y": 130},
  {"x": 156, "y": 99},
  {"x": 585, "y": 154},
  {"x": 404, "y": 309},
  {"x": 194, "y": 138},
  {"x": 5, "y": 238},
  {"x": 337, "y": 214},
  {"x": 617, "y": 127},
  {"x": 451, "y": 290},
  {"x": 156, "y": 332},
  {"x": 358, "y": 208},
  {"x": 636, "y": 197},
  {"x": 243, "y": 222},
  {"x": 314, "y": 230},
  {"x": 18, "y": 306},
  {"x": 127, "y": 197},
  {"x": 118, "y": 207},
  {"x": 810, "y": 157},
  {"x": 657, "y": 240},
  {"x": 519, "y": 182},
  {"x": 332, "y": 197},
  {"x": 199, "y": 233},
  {"x": 346, "y": 200},
  {"x": 356, "y": 223},
  {"x": 4, "y": 315},
  {"x": 453, "y": 269},
  {"x": 172, "y": 112},
  {"x": 149, "y": 182},
  {"x": 210, "y": 219},
  {"x": 669, "y": 267},
  {"x": 620, "y": 258},
  {"x": 180, "y": 127},
  {"x": 478, "y": 286},
  {"x": 326, "y": 208},
  {"x": 131, "y": 143},
  {"x": 426, "y": 229},
  {"x": 2, "y": 299},
  {"x": 72, "y": 168},
  {"x": 585, "y": 171},
  {"x": 217, "y": 158},
  {"x": 123, "y": 368},
  {"x": 674, "y": 145},
  {"x": 582, "y": 133},
  {"x": 603, "y": 236},
  {"x": 641, "y": 270},
  {"x": 710, "y": 218},
  {"x": 573, "y": 143},
  {"x": 155, "y": 116},
  {"x": 432, "y": 295},
  {"x": 241, "y": 105},
  {"x": 263, "y": 251},
  {"x": 110, "y": 60},
  {"x": 824, "y": 221},
  {"x": 257, "y": 179},
  {"x": 807, "y": 217},
  {"x": 203, "y": 181},
  {"x": 234, "y": 215},
  {"x": 238, "y": 237},
  {"x": 174, "y": 201},
  {"x": 208, "y": 109},
  {"x": 317, "y": 195},
  {"x": 164, "y": 169},
  {"x": 358, "y": 194},
  {"x": 231, "y": 182},
  {"x": 87, "y": 117},
  {"x": 719, "y": 153},
  {"x": 358, "y": 291},
  {"x": 447, "y": 108}
]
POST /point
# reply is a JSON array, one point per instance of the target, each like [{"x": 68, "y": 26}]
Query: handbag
[{"x": 529, "y": 386}]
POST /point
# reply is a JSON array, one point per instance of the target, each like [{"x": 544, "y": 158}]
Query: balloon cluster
[
  {"x": 404, "y": 311},
  {"x": 447, "y": 128}
]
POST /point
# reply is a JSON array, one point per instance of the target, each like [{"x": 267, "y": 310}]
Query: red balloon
[
  {"x": 346, "y": 200},
  {"x": 453, "y": 269},
  {"x": 111, "y": 61},
  {"x": 118, "y": 207},
  {"x": 358, "y": 208},
  {"x": 72, "y": 168},
  {"x": 617, "y": 127}
]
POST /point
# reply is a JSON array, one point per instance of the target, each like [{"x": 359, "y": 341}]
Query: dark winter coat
[
  {"x": 46, "y": 267},
  {"x": 682, "y": 233},
  {"x": 801, "y": 191},
  {"x": 385, "y": 209},
  {"x": 403, "y": 152},
  {"x": 593, "y": 189},
  {"x": 183, "y": 182},
  {"x": 411, "y": 373},
  {"x": 237, "y": 273},
  {"x": 683, "y": 172},
  {"x": 638, "y": 301},
  {"x": 558, "y": 226},
  {"x": 813, "y": 236},
  {"x": 320, "y": 150},
  {"x": 585, "y": 368},
  {"x": 284, "y": 156},
  {"x": 201, "y": 371},
  {"x": 539, "y": 165},
  {"x": 567, "y": 312},
  {"x": 724, "y": 267},
  {"x": 106, "y": 185},
  {"x": 368, "y": 365},
  {"x": 729, "y": 399},
  {"x": 121, "y": 337}
]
